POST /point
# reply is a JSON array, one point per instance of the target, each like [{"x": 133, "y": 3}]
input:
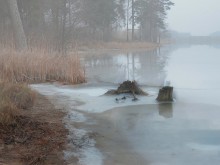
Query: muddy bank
[{"x": 39, "y": 137}]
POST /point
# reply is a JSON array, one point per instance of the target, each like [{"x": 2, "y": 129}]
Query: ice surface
[{"x": 93, "y": 98}]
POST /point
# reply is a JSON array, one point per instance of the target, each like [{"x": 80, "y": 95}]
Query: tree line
[{"x": 59, "y": 22}]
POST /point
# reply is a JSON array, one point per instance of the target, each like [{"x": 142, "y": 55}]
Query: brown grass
[
  {"x": 119, "y": 45},
  {"x": 130, "y": 45},
  {"x": 14, "y": 97},
  {"x": 19, "y": 94},
  {"x": 8, "y": 112},
  {"x": 39, "y": 66}
]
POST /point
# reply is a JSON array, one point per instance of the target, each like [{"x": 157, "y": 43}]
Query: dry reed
[
  {"x": 8, "y": 112},
  {"x": 18, "y": 94},
  {"x": 39, "y": 66},
  {"x": 14, "y": 97}
]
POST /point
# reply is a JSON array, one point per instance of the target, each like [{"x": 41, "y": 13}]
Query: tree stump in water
[
  {"x": 127, "y": 87},
  {"x": 165, "y": 94}
]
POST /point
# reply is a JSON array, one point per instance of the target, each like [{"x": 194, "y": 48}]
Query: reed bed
[{"x": 40, "y": 66}]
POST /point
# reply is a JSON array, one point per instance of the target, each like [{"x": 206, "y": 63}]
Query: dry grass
[
  {"x": 17, "y": 68},
  {"x": 119, "y": 45},
  {"x": 130, "y": 45},
  {"x": 39, "y": 66},
  {"x": 33, "y": 66},
  {"x": 14, "y": 97},
  {"x": 8, "y": 112},
  {"x": 19, "y": 94}
]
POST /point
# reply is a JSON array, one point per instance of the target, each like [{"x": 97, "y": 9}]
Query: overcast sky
[{"x": 199, "y": 17}]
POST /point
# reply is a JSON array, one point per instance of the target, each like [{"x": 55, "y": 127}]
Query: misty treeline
[{"x": 62, "y": 23}]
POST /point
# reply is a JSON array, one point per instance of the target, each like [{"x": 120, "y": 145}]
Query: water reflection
[
  {"x": 166, "y": 110},
  {"x": 190, "y": 67},
  {"x": 146, "y": 67},
  {"x": 194, "y": 67}
]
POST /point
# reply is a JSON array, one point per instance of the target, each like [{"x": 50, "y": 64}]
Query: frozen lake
[{"x": 145, "y": 132}]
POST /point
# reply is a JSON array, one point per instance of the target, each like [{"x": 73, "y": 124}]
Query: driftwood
[
  {"x": 127, "y": 87},
  {"x": 165, "y": 94}
]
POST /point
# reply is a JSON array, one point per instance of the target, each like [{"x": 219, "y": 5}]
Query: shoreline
[
  {"x": 97, "y": 144},
  {"x": 118, "y": 47},
  {"x": 47, "y": 139}
]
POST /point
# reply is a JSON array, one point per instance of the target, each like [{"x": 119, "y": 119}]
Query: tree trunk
[
  {"x": 165, "y": 94},
  {"x": 20, "y": 38},
  {"x": 127, "y": 10},
  {"x": 63, "y": 41},
  {"x": 133, "y": 21}
]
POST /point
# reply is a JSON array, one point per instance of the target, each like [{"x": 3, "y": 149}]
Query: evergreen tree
[
  {"x": 102, "y": 15},
  {"x": 150, "y": 15}
]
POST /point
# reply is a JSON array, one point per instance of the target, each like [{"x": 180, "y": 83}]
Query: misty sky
[{"x": 199, "y": 17}]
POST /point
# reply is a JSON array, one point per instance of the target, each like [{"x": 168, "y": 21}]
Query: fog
[
  {"x": 182, "y": 132},
  {"x": 198, "y": 17},
  {"x": 126, "y": 82}
]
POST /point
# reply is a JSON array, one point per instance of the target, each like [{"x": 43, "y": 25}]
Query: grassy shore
[
  {"x": 13, "y": 98},
  {"x": 31, "y": 129},
  {"x": 35, "y": 135},
  {"x": 121, "y": 46},
  {"x": 39, "y": 66}
]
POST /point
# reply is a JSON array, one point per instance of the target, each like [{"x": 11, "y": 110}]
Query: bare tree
[
  {"x": 20, "y": 38},
  {"x": 127, "y": 23},
  {"x": 133, "y": 19}
]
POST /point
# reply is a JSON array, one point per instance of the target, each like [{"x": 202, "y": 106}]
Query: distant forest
[{"x": 59, "y": 22}]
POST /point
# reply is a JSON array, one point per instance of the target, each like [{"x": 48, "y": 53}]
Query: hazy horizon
[{"x": 197, "y": 17}]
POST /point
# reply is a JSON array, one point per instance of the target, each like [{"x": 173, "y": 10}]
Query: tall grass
[
  {"x": 8, "y": 112},
  {"x": 14, "y": 97},
  {"x": 18, "y": 94},
  {"x": 39, "y": 66}
]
